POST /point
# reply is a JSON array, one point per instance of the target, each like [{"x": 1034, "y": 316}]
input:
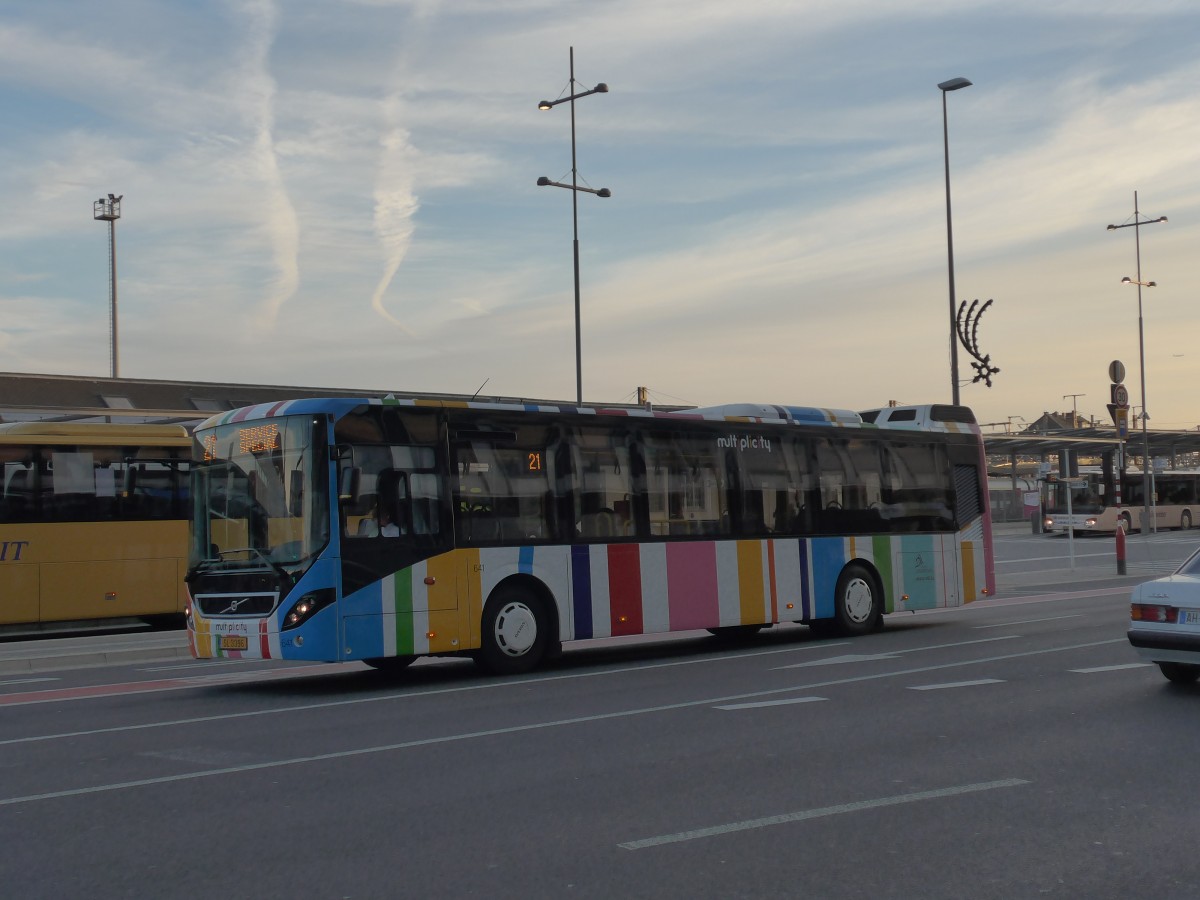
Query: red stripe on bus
[{"x": 625, "y": 588}]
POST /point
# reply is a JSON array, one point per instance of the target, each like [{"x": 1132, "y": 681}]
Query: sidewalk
[
  {"x": 44, "y": 655},
  {"x": 1016, "y": 583}
]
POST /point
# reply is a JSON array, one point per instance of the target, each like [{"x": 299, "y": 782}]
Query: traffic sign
[
  {"x": 1122, "y": 420},
  {"x": 1120, "y": 395},
  {"x": 1116, "y": 371}
]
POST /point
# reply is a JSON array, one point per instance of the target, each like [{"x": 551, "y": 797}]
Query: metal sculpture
[{"x": 966, "y": 323}]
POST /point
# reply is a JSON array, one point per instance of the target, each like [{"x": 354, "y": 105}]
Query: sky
[{"x": 342, "y": 193}]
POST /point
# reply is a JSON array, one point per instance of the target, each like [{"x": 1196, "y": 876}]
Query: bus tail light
[
  {"x": 1152, "y": 612},
  {"x": 308, "y": 606}
]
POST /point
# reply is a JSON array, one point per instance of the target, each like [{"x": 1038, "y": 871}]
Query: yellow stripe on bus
[
  {"x": 968, "y": 570},
  {"x": 750, "y": 581},
  {"x": 456, "y": 578}
]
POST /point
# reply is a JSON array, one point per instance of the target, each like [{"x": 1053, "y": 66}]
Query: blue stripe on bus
[
  {"x": 828, "y": 557},
  {"x": 805, "y": 583},
  {"x": 581, "y": 590},
  {"x": 525, "y": 561}
]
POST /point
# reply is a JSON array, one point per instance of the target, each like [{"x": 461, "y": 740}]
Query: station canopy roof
[{"x": 1092, "y": 441}]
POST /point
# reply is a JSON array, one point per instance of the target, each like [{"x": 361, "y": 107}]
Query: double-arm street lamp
[
  {"x": 575, "y": 190},
  {"x": 946, "y": 87},
  {"x": 1147, "y": 480}
]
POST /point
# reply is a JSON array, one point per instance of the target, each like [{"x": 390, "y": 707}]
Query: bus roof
[
  {"x": 932, "y": 417},
  {"x": 103, "y": 433}
]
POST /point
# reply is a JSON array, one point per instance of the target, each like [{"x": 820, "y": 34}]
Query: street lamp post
[
  {"x": 109, "y": 210},
  {"x": 946, "y": 87},
  {"x": 575, "y": 189},
  {"x": 1147, "y": 477}
]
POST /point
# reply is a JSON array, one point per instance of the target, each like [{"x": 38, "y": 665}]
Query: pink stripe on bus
[{"x": 692, "y": 585}]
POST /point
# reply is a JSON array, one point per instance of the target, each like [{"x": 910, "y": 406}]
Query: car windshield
[{"x": 257, "y": 494}]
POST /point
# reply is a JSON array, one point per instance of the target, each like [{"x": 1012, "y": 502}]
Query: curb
[{"x": 30, "y": 661}]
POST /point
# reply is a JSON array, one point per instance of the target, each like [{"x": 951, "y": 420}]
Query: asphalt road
[{"x": 1014, "y": 748}]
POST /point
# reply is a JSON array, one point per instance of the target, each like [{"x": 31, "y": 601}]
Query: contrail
[
  {"x": 283, "y": 230},
  {"x": 395, "y": 206}
]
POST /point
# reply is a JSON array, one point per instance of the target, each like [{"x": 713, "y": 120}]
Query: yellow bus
[{"x": 93, "y": 522}]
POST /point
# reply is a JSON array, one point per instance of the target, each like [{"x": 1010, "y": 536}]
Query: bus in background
[
  {"x": 93, "y": 522},
  {"x": 384, "y": 530},
  {"x": 1013, "y": 499},
  {"x": 1176, "y": 501}
]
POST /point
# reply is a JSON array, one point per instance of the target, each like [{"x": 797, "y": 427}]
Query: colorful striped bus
[
  {"x": 93, "y": 522},
  {"x": 387, "y": 529}
]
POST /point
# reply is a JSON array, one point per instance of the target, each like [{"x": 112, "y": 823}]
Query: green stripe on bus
[
  {"x": 405, "y": 645},
  {"x": 881, "y": 549}
]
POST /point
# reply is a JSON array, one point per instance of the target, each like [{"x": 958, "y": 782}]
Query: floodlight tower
[{"x": 109, "y": 210}]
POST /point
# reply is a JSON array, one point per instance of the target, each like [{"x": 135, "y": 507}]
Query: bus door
[{"x": 400, "y": 591}]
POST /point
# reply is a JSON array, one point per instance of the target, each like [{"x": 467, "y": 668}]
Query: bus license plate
[{"x": 235, "y": 642}]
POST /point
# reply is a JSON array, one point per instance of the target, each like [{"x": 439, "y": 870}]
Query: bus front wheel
[
  {"x": 514, "y": 635},
  {"x": 858, "y": 607}
]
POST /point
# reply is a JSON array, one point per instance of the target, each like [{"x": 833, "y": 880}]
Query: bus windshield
[
  {"x": 259, "y": 494},
  {"x": 1086, "y": 498}
]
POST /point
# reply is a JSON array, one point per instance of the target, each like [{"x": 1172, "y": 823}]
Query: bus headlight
[{"x": 308, "y": 606}]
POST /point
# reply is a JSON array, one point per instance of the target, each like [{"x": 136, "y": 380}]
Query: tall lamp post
[
  {"x": 109, "y": 211},
  {"x": 1147, "y": 478},
  {"x": 946, "y": 87},
  {"x": 575, "y": 189}
]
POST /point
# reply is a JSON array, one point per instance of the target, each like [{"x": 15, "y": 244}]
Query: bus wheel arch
[
  {"x": 858, "y": 599},
  {"x": 519, "y": 627}
]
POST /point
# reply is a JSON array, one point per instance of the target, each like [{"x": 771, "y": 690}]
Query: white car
[{"x": 1164, "y": 622}]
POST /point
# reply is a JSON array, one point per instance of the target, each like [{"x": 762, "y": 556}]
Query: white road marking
[
  {"x": 27, "y": 680},
  {"x": 1030, "y": 621},
  {"x": 839, "y": 660},
  {"x": 1136, "y": 665},
  {"x": 845, "y": 658},
  {"x": 802, "y": 815},
  {"x": 761, "y": 703},
  {"x": 955, "y": 684}
]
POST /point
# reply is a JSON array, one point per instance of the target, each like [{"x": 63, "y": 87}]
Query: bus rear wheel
[
  {"x": 514, "y": 634},
  {"x": 858, "y": 607},
  {"x": 1185, "y": 520}
]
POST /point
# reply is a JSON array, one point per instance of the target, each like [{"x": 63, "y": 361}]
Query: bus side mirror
[
  {"x": 348, "y": 481},
  {"x": 296, "y": 495}
]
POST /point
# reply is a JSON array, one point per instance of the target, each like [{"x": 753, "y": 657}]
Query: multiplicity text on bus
[
  {"x": 93, "y": 522},
  {"x": 383, "y": 530}
]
